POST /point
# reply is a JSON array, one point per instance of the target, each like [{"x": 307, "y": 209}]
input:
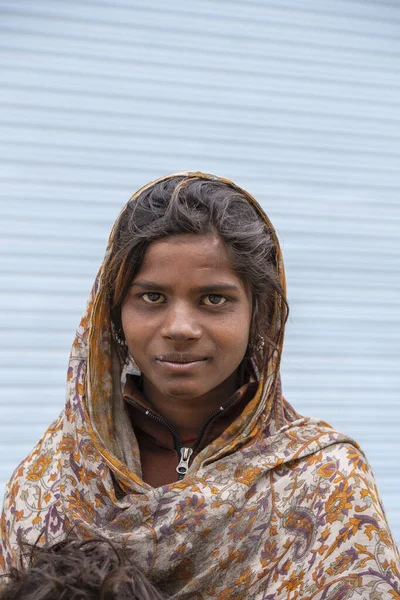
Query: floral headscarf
[{"x": 278, "y": 507}]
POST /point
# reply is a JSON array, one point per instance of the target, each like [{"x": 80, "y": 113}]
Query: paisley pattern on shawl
[{"x": 279, "y": 507}]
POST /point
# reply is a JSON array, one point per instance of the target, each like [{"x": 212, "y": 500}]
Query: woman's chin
[{"x": 183, "y": 392}]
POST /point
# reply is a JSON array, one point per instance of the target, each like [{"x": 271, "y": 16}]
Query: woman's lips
[{"x": 180, "y": 362}]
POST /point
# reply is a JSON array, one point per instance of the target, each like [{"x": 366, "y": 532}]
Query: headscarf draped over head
[{"x": 278, "y": 507}]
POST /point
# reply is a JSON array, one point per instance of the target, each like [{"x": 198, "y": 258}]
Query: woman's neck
[{"x": 187, "y": 415}]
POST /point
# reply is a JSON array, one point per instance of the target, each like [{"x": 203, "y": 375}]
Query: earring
[
  {"x": 119, "y": 337},
  {"x": 258, "y": 344}
]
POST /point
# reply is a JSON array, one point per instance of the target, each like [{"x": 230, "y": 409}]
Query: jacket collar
[{"x": 152, "y": 428}]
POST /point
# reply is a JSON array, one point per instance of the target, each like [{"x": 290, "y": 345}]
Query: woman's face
[{"x": 186, "y": 317}]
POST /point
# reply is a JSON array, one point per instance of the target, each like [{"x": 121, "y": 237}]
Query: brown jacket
[{"x": 161, "y": 450}]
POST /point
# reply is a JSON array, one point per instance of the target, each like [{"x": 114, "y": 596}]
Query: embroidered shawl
[{"x": 279, "y": 507}]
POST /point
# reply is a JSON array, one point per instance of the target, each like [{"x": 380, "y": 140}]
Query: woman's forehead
[
  {"x": 187, "y": 255},
  {"x": 207, "y": 249}
]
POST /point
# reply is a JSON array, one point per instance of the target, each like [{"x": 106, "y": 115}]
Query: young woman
[{"x": 176, "y": 442}]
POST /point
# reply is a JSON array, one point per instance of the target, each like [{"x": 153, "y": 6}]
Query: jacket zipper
[
  {"x": 184, "y": 452},
  {"x": 183, "y": 466},
  {"x": 204, "y": 426}
]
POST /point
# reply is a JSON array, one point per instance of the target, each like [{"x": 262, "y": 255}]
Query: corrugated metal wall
[{"x": 298, "y": 102}]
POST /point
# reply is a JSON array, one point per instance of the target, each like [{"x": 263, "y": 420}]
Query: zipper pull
[{"x": 183, "y": 466}]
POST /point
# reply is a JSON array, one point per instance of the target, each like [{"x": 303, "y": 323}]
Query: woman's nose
[{"x": 180, "y": 323}]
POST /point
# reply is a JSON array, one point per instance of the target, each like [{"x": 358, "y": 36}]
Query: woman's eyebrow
[
  {"x": 149, "y": 284},
  {"x": 218, "y": 287},
  {"x": 205, "y": 289}
]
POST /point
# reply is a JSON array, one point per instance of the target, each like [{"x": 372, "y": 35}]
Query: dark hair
[
  {"x": 76, "y": 570},
  {"x": 190, "y": 204}
]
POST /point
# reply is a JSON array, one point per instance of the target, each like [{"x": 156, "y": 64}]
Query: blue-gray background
[{"x": 296, "y": 101}]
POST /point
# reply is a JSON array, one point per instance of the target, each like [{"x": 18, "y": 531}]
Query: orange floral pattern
[
  {"x": 279, "y": 507},
  {"x": 39, "y": 467}
]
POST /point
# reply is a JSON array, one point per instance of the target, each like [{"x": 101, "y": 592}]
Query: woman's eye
[
  {"x": 153, "y": 297},
  {"x": 214, "y": 300}
]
